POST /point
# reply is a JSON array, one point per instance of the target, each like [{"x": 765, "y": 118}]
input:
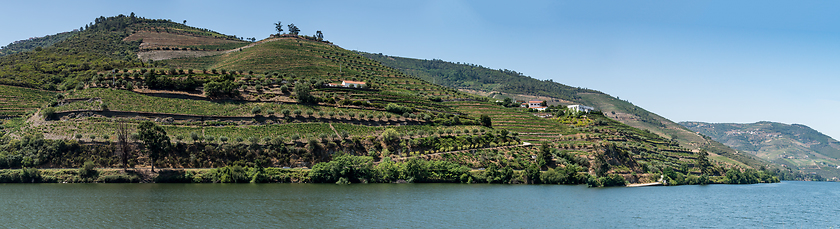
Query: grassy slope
[
  {"x": 296, "y": 59},
  {"x": 102, "y": 47},
  {"x": 483, "y": 80},
  {"x": 69, "y": 59}
]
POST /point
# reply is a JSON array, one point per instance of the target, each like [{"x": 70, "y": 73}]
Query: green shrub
[
  {"x": 613, "y": 180},
  {"x": 30, "y": 175},
  {"x": 174, "y": 176},
  {"x": 88, "y": 170},
  {"x": 351, "y": 168},
  {"x": 229, "y": 174},
  {"x": 48, "y": 113},
  {"x": 395, "y": 108},
  {"x": 122, "y": 178}
]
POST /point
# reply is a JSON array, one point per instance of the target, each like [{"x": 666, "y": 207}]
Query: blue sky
[{"x": 712, "y": 61}]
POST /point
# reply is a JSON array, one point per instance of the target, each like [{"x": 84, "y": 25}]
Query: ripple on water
[{"x": 787, "y": 204}]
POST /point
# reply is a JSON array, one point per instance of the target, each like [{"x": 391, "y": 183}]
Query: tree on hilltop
[
  {"x": 279, "y": 27},
  {"x": 293, "y": 29},
  {"x": 319, "y": 35}
]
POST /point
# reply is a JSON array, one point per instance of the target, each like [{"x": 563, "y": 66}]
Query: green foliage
[
  {"x": 88, "y": 171},
  {"x": 302, "y": 93},
  {"x": 48, "y": 113},
  {"x": 571, "y": 174},
  {"x": 485, "y": 121},
  {"x": 397, "y": 109},
  {"x": 230, "y": 174},
  {"x": 533, "y": 174},
  {"x": 749, "y": 176},
  {"x": 30, "y": 175},
  {"x": 390, "y": 136},
  {"x": 361, "y": 169},
  {"x": 163, "y": 82},
  {"x": 544, "y": 155},
  {"x": 221, "y": 87},
  {"x": 33, "y": 150},
  {"x": 606, "y": 181},
  {"x": 351, "y": 168},
  {"x": 154, "y": 140},
  {"x": 613, "y": 180}
]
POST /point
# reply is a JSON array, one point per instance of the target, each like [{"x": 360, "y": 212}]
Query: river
[{"x": 784, "y": 205}]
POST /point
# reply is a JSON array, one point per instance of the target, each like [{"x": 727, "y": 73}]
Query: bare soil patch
[
  {"x": 157, "y": 55},
  {"x": 155, "y": 39}
]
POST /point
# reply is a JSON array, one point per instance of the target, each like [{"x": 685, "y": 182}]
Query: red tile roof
[
  {"x": 534, "y": 101},
  {"x": 354, "y": 82}
]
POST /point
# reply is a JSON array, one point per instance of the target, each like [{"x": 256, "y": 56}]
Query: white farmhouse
[
  {"x": 536, "y": 105},
  {"x": 354, "y": 84},
  {"x": 580, "y": 108}
]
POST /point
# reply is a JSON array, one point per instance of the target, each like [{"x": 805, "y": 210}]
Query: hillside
[
  {"x": 34, "y": 42},
  {"x": 503, "y": 83},
  {"x": 299, "y": 101},
  {"x": 796, "y": 146},
  {"x": 101, "y": 46}
]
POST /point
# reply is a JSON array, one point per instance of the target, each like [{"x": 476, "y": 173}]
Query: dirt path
[
  {"x": 36, "y": 119},
  {"x": 333, "y": 128}
]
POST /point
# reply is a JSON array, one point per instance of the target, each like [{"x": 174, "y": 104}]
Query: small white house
[
  {"x": 355, "y": 84},
  {"x": 580, "y": 108},
  {"x": 536, "y": 105}
]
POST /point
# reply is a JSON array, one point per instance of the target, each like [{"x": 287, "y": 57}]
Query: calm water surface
[{"x": 782, "y": 205}]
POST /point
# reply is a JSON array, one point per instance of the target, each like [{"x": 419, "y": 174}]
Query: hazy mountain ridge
[{"x": 792, "y": 145}]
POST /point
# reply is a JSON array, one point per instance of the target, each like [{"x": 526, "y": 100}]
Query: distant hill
[
  {"x": 34, "y": 42},
  {"x": 795, "y": 145}
]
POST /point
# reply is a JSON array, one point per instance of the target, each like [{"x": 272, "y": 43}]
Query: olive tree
[{"x": 154, "y": 140}]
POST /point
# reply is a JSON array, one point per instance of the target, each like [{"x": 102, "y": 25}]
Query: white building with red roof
[{"x": 536, "y": 105}]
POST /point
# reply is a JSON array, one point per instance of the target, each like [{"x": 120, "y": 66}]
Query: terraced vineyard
[
  {"x": 528, "y": 126},
  {"x": 15, "y": 101}
]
